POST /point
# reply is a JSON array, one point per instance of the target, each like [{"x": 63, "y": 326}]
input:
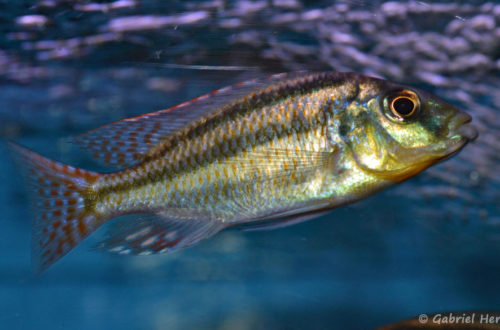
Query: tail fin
[{"x": 63, "y": 214}]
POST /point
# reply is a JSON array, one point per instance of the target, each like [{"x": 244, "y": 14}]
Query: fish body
[{"x": 281, "y": 148}]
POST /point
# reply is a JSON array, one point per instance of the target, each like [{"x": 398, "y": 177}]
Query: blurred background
[{"x": 428, "y": 245}]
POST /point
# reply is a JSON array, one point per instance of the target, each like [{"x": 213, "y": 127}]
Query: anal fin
[{"x": 157, "y": 234}]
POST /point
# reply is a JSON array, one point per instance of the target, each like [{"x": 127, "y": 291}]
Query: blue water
[{"x": 384, "y": 259}]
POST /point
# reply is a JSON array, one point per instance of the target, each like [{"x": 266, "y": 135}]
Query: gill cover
[{"x": 387, "y": 134}]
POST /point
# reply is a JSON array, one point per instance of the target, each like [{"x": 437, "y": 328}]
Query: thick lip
[
  {"x": 460, "y": 133},
  {"x": 460, "y": 127},
  {"x": 468, "y": 131}
]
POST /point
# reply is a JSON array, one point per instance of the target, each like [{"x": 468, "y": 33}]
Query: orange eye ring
[{"x": 404, "y": 105}]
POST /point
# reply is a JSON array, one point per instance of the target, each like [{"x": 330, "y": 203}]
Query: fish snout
[{"x": 461, "y": 125}]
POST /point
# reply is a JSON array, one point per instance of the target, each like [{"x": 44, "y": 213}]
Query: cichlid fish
[{"x": 266, "y": 153}]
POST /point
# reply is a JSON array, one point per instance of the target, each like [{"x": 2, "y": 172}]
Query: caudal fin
[{"x": 63, "y": 212}]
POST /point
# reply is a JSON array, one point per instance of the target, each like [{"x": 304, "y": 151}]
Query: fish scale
[
  {"x": 265, "y": 153},
  {"x": 290, "y": 126}
]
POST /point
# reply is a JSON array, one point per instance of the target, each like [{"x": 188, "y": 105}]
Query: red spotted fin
[
  {"x": 62, "y": 218},
  {"x": 157, "y": 234}
]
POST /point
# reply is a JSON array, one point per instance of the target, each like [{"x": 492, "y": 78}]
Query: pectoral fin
[{"x": 287, "y": 218}]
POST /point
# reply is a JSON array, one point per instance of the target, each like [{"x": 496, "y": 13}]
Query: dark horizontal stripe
[
  {"x": 266, "y": 98},
  {"x": 197, "y": 161}
]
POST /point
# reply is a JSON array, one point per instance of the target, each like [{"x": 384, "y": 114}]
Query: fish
[{"x": 262, "y": 154}]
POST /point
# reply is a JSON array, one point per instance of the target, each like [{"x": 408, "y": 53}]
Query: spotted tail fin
[{"x": 63, "y": 214}]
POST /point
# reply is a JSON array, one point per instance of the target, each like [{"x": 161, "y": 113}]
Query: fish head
[{"x": 395, "y": 132}]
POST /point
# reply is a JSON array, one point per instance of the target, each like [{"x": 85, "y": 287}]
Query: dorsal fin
[{"x": 127, "y": 141}]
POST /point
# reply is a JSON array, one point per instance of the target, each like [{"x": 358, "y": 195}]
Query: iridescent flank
[{"x": 274, "y": 148}]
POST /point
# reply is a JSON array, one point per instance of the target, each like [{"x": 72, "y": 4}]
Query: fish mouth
[
  {"x": 461, "y": 132},
  {"x": 461, "y": 126}
]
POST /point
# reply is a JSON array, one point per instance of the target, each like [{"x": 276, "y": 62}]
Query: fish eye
[{"x": 403, "y": 105}]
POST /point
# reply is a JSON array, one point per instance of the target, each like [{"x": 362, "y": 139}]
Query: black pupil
[{"x": 404, "y": 106}]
